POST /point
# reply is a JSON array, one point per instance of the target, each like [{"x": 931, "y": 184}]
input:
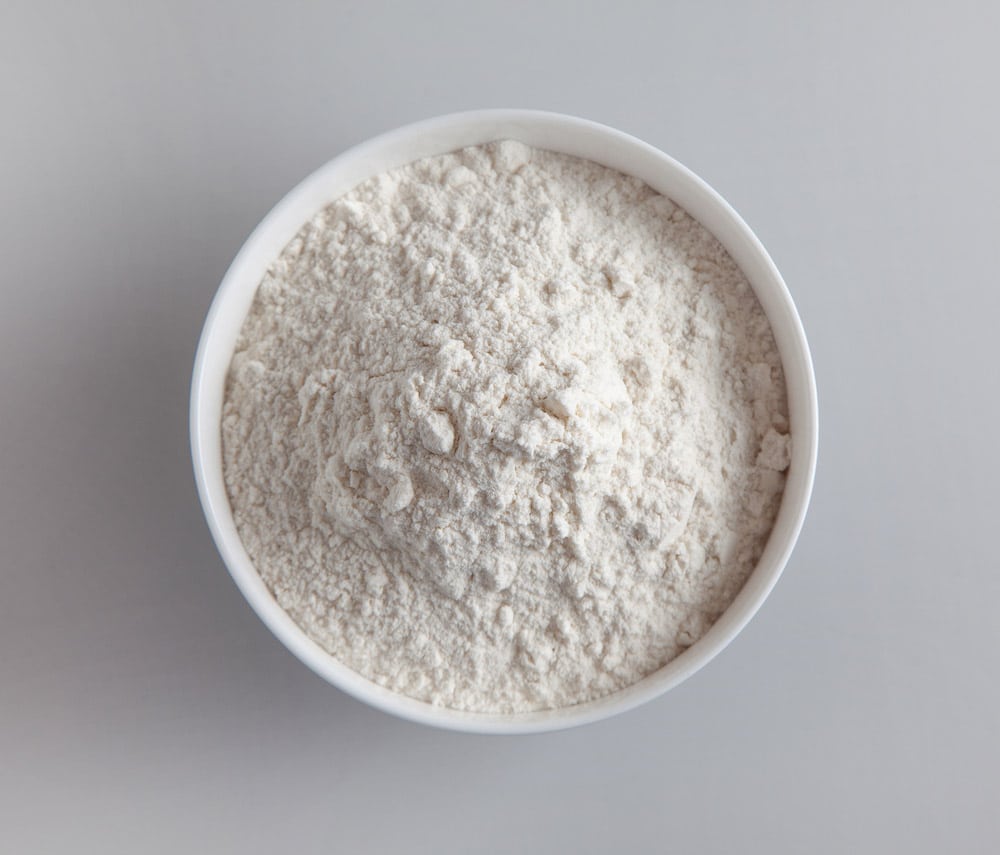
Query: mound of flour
[{"x": 505, "y": 429}]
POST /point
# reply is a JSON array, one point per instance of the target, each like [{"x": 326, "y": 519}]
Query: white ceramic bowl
[{"x": 437, "y": 136}]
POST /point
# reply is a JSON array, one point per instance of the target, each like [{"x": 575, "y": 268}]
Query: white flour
[{"x": 505, "y": 430}]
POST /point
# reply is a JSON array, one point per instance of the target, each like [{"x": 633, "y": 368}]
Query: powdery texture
[{"x": 505, "y": 429}]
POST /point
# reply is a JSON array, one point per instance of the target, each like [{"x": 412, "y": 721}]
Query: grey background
[{"x": 143, "y": 707}]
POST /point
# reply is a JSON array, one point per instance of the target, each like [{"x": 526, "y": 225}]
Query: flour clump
[{"x": 505, "y": 430}]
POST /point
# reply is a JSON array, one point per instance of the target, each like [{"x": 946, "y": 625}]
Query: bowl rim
[{"x": 580, "y": 137}]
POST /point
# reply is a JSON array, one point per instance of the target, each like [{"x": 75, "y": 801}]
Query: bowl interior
[{"x": 437, "y": 136}]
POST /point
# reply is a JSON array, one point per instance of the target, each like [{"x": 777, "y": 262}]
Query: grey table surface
[{"x": 143, "y": 707}]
